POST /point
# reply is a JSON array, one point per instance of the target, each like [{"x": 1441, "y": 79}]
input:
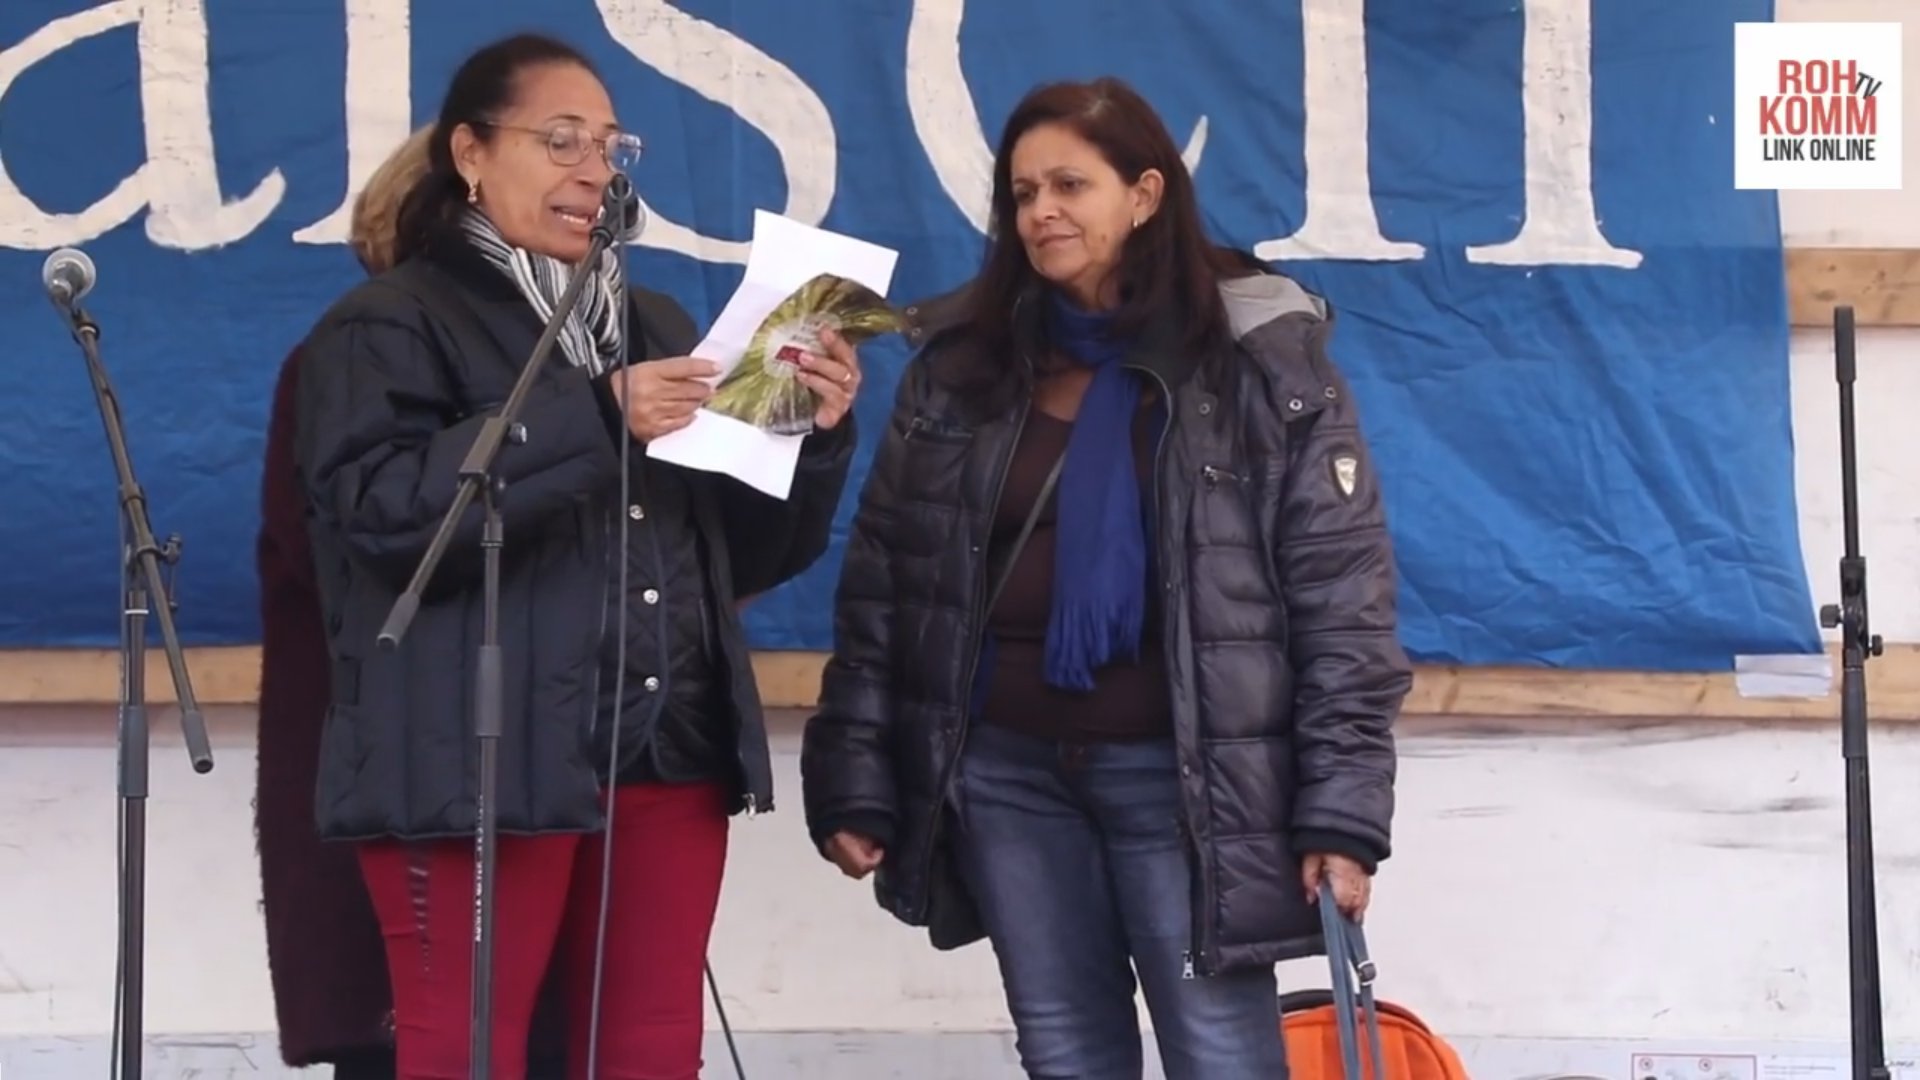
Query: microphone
[
  {"x": 68, "y": 275},
  {"x": 620, "y": 203}
]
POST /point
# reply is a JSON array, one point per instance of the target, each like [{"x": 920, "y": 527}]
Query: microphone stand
[
  {"x": 477, "y": 479},
  {"x": 145, "y": 592},
  {"x": 1857, "y": 644}
]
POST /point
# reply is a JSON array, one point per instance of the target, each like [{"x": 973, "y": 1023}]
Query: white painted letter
[
  {"x": 1561, "y": 226},
  {"x": 379, "y": 103},
  {"x": 178, "y": 180},
  {"x": 944, "y": 116},
  {"x": 726, "y": 70},
  {"x": 1340, "y": 219}
]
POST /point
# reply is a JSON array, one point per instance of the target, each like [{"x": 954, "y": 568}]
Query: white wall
[
  {"x": 1665, "y": 888},
  {"x": 1886, "y": 402}
]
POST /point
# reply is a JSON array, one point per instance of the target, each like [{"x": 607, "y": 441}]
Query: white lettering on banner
[
  {"x": 729, "y": 71},
  {"x": 180, "y": 183},
  {"x": 178, "y": 179},
  {"x": 1561, "y": 226},
  {"x": 1341, "y": 222},
  {"x": 944, "y": 116},
  {"x": 379, "y": 103}
]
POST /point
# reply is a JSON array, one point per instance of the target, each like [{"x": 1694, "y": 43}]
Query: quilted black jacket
[
  {"x": 396, "y": 380},
  {"x": 1280, "y": 626}
]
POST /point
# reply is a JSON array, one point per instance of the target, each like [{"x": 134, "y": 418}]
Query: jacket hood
[{"x": 1254, "y": 301}]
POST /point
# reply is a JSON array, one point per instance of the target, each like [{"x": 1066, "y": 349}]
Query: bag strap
[
  {"x": 1026, "y": 531},
  {"x": 1347, "y": 955}
]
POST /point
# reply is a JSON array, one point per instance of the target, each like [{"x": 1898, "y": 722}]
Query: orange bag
[
  {"x": 1321, "y": 1027},
  {"x": 1309, "y": 1023}
]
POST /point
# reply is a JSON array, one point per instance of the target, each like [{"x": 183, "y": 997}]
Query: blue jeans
[{"x": 1074, "y": 857}]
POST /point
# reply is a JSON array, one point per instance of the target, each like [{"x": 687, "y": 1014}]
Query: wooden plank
[
  {"x": 1882, "y": 284},
  {"x": 230, "y": 676}
]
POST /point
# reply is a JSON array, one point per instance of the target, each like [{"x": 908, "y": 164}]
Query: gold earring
[{"x": 473, "y": 192}]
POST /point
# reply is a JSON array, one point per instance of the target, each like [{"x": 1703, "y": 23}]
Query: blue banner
[{"x": 1567, "y": 331}]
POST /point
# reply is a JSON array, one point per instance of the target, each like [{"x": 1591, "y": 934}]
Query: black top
[{"x": 1128, "y": 700}]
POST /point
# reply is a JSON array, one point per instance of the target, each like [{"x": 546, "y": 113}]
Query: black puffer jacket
[
  {"x": 397, "y": 378},
  {"x": 1279, "y": 626}
]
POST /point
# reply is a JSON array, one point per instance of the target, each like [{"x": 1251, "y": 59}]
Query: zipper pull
[
  {"x": 1186, "y": 965},
  {"x": 752, "y": 808}
]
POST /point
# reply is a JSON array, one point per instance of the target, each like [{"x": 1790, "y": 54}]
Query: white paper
[{"x": 785, "y": 255}]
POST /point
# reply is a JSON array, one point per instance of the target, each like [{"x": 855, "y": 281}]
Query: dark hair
[
  {"x": 486, "y": 84},
  {"x": 1168, "y": 266}
]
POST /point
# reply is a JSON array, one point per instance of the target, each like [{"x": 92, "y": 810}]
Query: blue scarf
[{"x": 1100, "y": 554}]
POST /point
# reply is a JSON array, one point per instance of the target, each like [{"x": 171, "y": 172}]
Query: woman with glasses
[{"x": 631, "y": 730}]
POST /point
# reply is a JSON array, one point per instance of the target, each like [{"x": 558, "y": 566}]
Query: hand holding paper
[
  {"x": 661, "y": 396},
  {"x": 762, "y": 389},
  {"x": 834, "y": 379},
  {"x": 800, "y": 282}
]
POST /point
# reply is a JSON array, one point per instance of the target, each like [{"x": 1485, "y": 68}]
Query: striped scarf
[{"x": 591, "y": 335}]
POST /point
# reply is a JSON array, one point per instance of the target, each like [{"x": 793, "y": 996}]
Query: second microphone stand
[
  {"x": 478, "y": 479},
  {"x": 144, "y": 593},
  {"x": 1857, "y": 644}
]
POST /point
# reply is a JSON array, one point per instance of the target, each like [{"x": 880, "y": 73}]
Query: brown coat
[{"x": 324, "y": 950}]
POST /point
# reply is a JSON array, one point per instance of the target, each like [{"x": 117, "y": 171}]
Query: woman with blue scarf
[{"x": 1115, "y": 667}]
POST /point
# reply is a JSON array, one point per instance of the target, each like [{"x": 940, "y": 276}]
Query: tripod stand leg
[
  {"x": 133, "y": 786},
  {"x": 1869, "y": 1040},
  {"x": 133, "y": 826},
  {"x": 488, "y": 707},
  {"x": 129, "y": 1006}
]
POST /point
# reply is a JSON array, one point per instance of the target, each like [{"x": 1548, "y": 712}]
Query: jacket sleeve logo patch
[{"x": 1346, "y": 473}]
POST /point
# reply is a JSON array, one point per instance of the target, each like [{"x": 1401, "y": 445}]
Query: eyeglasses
[{"x": 568, "y": 144}]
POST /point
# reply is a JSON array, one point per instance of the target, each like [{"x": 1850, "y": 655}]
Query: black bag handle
[{"x": 1347, "y": 955}]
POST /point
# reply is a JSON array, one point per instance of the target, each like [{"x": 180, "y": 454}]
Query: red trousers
[{"x": 669, "y": 848}]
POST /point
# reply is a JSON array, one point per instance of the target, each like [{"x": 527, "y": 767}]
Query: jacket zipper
[
  {"x": 1197, "y": 902},
  {"x": 973, "y": 664}
]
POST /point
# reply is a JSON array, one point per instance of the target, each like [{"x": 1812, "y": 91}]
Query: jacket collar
[
  {"x": 494, "y": 293},
  {"x": 450, "y": 250}
]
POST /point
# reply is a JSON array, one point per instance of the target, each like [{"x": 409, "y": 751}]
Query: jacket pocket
[
  {"x": 939, "y": 453},
  {"x": 1233, "y": 555},
  {"x": 924, "y": 430},
  {"x": 1214, "y": 476},
  {"x": 1223, "y": 509}
]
